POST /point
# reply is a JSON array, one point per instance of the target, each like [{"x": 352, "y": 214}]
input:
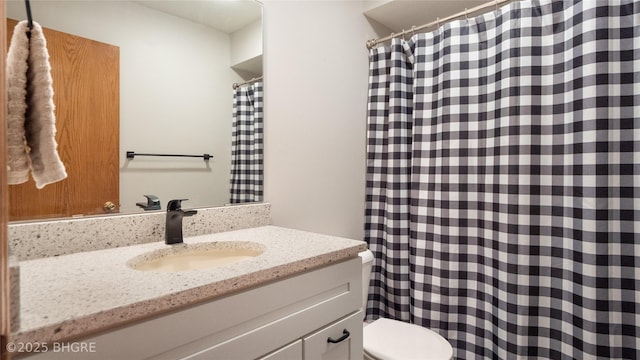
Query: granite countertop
[{"x": 71, "y": 296}]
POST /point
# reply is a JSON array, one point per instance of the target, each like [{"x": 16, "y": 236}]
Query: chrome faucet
[{"x": 173, "y": 231}]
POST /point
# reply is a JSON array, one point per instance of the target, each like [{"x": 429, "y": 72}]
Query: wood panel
[
  {"x": 5, "y": 315},
  {"x": 86, "y": 80}
]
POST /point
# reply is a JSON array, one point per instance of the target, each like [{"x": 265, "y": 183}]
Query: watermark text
[{"x": 57, "y": 347}]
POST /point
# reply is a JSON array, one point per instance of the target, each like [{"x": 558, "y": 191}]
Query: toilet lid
[{"x": 396, "y": 340}]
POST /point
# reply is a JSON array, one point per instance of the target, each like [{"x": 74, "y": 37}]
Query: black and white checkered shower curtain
[
  {"x": 503, "y": 154},
  {"x": 247, "y": 144}
]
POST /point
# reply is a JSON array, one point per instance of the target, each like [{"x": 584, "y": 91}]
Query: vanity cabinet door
[
  {"x": 292, "y": 351},
  {"x": 318, "y": 345}
]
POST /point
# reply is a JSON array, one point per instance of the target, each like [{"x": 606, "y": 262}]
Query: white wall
[
  {"x": 246, "y": 48},
  {"x": 175, "y": 95},
  {"x": 316, "y": 71}
]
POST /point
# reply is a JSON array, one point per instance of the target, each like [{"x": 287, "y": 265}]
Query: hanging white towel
[
  {"x": 18, "y": 160},
  {"x": 31, "y": 118}
]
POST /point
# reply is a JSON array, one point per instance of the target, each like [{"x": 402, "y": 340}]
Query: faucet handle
[
  {"x": 153, "y": 203},
  {"x": 175, "y": 204}
]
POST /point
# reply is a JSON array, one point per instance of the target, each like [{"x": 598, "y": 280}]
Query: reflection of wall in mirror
[
  {"x": 176, "y": 96},
  {"x": 246, "y": 50}
]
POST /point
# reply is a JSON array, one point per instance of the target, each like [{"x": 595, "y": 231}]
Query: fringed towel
[{"x": 31, "y": 118}]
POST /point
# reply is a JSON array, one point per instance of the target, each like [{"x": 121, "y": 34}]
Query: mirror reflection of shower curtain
[{"x": 247, "y": 144}]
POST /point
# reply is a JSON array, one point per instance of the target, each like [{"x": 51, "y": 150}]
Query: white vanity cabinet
[
  {"x": 291, "y": 351},
  {"x": 291, "y": 318},
  {"x": 316, "y": 346},
  {"x": 346, "y": 345}
]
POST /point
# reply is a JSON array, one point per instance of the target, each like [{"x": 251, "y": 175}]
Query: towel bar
[{"x": 132, "y": 154}]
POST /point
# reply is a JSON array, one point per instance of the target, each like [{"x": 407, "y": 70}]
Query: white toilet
[{"x": 386, "y": 339}]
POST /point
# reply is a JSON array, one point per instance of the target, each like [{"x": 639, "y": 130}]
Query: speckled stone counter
[{"x": 74, "y": 295}]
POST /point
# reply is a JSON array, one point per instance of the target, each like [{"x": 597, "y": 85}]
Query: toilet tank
[{"x": 367, "y": 262}]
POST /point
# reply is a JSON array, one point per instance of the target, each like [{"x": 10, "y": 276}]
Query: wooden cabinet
[{"x": 287, "y": 319}]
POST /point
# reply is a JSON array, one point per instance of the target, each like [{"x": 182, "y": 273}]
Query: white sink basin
[{"x": 185, "y": 257}]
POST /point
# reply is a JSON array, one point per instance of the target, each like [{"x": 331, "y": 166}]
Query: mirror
[{"x": 178, "y": 61}]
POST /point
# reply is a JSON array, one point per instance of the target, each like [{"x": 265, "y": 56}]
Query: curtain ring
[
  {"x": 413, "y": 30},
  {"x": 438, "y": 21},
  {"x": 404, "y": 35},
  {"x": 466, "y": 14},
  {"x": 496, "y": 5}
]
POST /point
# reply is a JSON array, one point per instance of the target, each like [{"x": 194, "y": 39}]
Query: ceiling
[
  {"x": 403, "y": 14},
  {"x": 224, "y": 15},
  {"x": 231, "y": 15}
]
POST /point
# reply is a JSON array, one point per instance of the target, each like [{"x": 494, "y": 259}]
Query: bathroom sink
[{"x": 184, "y": 257}]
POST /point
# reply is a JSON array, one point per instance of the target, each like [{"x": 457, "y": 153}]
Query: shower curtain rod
[
  {"x": 236, "y": 85},
  {"x": 373, "y": 42}
]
